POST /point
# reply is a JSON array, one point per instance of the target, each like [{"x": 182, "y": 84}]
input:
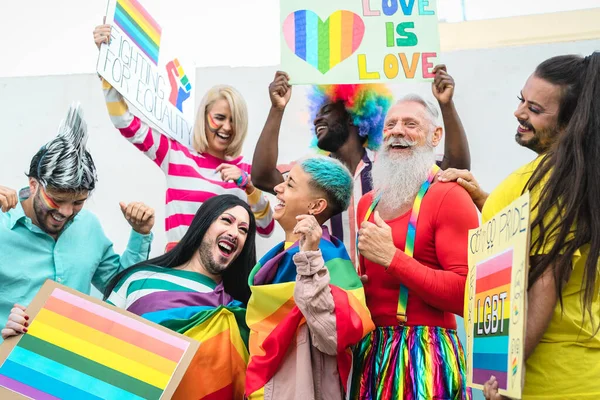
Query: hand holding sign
[{"x": 102, "y": 33}]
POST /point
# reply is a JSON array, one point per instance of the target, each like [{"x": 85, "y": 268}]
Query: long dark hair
[
  {"x": 568, "y": 177},
  {"x": 235, "y": 277}
]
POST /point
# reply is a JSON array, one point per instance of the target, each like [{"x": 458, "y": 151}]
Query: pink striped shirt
[{"x": 191, "y": 177}]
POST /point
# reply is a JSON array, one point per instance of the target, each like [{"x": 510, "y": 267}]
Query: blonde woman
[{"x": 215, "y": 167}]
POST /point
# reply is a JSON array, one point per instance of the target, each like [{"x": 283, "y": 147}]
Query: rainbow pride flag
[
  {"x": 138, "y": 24},
  {"x": 274, "y": 318},
  {"x": 490, "y": 331},
  {"x": 78, "y": 349},
  {"x": 218, "y": 369},
  {"x": 195, "y": 306}
]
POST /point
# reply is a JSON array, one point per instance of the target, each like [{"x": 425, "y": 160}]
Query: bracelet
[{"x": 242, "y": 181}]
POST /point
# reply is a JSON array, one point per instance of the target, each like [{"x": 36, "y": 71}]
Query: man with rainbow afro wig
[
  {"x": 307, "y": 308},
  {"x": 348, "y": 124}
]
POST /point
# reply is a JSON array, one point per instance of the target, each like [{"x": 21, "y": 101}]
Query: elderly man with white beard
[{"x": 412, "y": 243}]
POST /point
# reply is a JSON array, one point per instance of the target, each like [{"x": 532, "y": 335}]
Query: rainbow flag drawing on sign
[
  {"x": 138, "y": 24},
  {"x": 490, "y": 331},
  {"x": 78, "y": 349},
  {"x": 323, "y": 44},
  {"x": 274, "y": 318}
]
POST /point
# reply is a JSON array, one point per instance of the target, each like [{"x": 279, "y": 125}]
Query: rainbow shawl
[
  {"x": 198, "y": 308},
  {"x": 274, "y": 318}
]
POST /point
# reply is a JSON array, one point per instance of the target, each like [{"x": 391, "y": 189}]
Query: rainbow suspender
[{"x": 409, "y": 246}]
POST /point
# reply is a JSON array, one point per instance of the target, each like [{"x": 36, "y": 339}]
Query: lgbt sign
[
  {"x": 358, "y": 41},
  {"x": 139, "y": 63},
  {"x": 78, "y": 347},
  {"x": 496, "y": 299}
]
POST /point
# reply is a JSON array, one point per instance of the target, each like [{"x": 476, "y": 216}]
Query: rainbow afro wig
[{"x": 367, "y": 105}]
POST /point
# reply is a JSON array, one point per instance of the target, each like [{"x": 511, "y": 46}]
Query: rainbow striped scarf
[
  {"x": 218, "y": 322},
  {"x": 274, "y": 318}
]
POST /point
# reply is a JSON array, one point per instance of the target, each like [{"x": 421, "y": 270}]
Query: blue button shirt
[{"x": 81, "y": 256}]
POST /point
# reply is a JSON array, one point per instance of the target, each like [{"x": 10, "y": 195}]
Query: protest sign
[
  {"x": 139, "y": 63},
  {"x": 359, "y": 41},
  {"x": 79, "y": 347},
  {"x": 497, "y": 289}
]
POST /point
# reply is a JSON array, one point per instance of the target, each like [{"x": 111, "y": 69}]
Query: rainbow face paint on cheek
[
  {"x": 213, "y": 125},
  {"x": 48, "y": 202}
]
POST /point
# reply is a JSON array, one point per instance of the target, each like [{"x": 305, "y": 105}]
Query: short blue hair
[{"x": 332, "y": 178}]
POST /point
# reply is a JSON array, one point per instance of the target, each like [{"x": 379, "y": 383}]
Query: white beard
[{"x": 398, "y": 177}]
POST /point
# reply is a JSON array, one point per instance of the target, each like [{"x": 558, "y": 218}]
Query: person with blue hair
[
  {"x": 307, "y": 307},
  {"x": 348, "y": 125}
]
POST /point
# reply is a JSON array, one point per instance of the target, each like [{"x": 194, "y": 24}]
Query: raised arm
[
  {"x": 265, "y": 175},
  {"x": 312, "y": 293},
  {"x": 456, "y": 145}
]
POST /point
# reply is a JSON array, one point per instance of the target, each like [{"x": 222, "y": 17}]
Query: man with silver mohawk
[{"x": 45, "y": 234}]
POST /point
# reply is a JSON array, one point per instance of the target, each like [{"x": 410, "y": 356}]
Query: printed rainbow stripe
[
  {"x": 409, "y": 246},
  {"x": 139, "y": 25},
  {"x": 77, "y": 349},
  {"x": 323, "y": 44},
  {"x": 490, "y": 333},
  {"x": 274, "y": 318}
]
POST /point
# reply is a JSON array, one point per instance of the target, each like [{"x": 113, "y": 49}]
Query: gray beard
[{"x": 398, "y": 178}]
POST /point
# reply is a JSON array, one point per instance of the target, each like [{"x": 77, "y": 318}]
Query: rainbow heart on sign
[{"x": 323, "y": 44}]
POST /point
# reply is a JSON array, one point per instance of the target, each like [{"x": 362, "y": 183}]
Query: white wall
[
  {"x": 487, "y": 83},
  {"x": 40, "y": 44}
]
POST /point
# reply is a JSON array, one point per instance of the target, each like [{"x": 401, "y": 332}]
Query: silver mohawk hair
[{"x": 64, "y": 163}]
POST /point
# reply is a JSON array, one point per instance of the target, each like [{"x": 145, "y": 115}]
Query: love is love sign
[{"x": 359, "y": 41}]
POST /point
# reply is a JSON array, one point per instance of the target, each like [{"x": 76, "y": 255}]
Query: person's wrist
[
  {"x": 446, "y": 106},
  {"x": 277, "y": 108}
]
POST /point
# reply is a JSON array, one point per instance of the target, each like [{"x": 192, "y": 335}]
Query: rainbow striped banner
[
  {"x": 80, "y": 348},
  {"x": 138, "y": 24},
  {"x": 491, "y": 328}
]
